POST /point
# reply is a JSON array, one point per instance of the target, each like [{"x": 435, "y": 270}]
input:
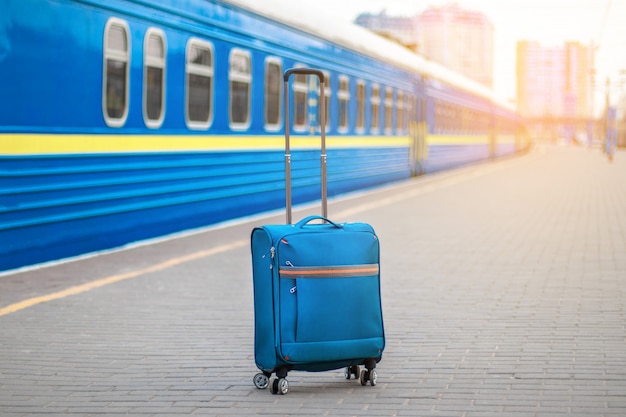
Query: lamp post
[
  {"x": 609, "y": 123},
  {"x": 613, "y": 129}
]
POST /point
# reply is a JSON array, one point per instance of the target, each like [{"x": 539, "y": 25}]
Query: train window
[
  {"x": 240, "y": 77},
  {"x": 484, "y": 122},
  {"x": 443, "y": 128},
  {"x": 440, "y": 117},
  {"x": 315, "y": 80},
  {"x": 388, "y": 109},
  {"x": 344, "y": 99},
  {"x": 273, "y": 82},
  {"x": 408, "y": 111},
  {"x": 199, "y": 70},
  {"x": 300, "y": 104},
  {"x": 116, "y": 72},
  {"x": 154, "y": 78},
  {"x": 409, "y": 108},
  {"x": 375, "y": 109},
  {"x": 399, "y": 111},
  {"x": 452, "y": 118},
  {"x": 360, "y": 105},
  {"x": 327, "y": 98},
  {"x": 443, "y": 117}
]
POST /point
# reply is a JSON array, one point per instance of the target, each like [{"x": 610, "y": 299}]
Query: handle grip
[{"x": 309, "y": 219}]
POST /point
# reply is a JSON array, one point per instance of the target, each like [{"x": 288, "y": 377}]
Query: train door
[{"x": 417, "y": 136}]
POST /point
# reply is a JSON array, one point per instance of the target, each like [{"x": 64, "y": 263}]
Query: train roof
[{"x": 326, "y": 26}]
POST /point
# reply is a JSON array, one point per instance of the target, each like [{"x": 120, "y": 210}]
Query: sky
[{"x": 549, "y": 22}]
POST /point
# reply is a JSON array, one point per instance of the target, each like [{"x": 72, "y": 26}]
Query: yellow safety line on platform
[{"x": 78, "y": 289}]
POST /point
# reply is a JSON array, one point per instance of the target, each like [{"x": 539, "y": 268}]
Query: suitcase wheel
[
  {"x": 261, "y": 381},
  {"x": 352, "y": 370},
  {"x": 367, "y": 375},
  {"x": 279, "y": 386}
]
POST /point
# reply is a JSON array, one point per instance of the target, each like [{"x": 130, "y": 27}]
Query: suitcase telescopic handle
[{"x": 322, "y": 113}]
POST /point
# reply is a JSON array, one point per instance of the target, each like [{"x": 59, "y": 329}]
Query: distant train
[{"x": 126, "y": 120}]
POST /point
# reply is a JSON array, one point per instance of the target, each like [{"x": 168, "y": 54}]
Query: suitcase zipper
[{"x": 272, "y": 254}]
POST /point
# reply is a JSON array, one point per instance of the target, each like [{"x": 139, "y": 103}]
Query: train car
[{"x": 122, "y": 120}]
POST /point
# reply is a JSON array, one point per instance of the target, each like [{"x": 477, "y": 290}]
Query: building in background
[
  {"x": 459, "y": 39},
  {"x": 401, "y": 29},
  {"x": 554, "y": 87},
  {"x": 554, "y": 81},
  {"x": 554, "y": 84}
]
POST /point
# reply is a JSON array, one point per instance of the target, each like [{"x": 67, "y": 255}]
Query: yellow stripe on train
[{"x": 25, "y": 144}]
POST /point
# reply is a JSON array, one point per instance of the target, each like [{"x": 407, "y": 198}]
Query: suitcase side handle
[
  {"x": 309, "y": 219},
  {"x": 322, "y": 113}
]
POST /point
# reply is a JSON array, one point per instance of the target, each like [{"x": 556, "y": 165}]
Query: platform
[{"x": 504, "y": 292}]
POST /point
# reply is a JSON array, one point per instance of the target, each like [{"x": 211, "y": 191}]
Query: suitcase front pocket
[{"x": 336, "y": 303}]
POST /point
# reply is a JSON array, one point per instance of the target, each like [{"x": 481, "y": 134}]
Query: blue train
[{"x": 122, "y": 120}]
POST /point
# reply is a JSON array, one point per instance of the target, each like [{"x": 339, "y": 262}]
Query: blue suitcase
[{"x": 317, "y": 302}]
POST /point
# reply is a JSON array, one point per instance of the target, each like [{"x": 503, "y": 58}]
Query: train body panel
[
  {"x": 126, "y": 120},
  {"x": 56, "y": 206}
]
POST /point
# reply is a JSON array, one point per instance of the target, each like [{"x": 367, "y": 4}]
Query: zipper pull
[
  {"x": 293, "y": 289},
  {"x": 271, "y": 253}
]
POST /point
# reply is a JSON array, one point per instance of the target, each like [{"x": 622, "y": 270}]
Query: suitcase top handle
[
  {"x": 309, "y": 219},
  {"x": 322, "y": 116}
]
